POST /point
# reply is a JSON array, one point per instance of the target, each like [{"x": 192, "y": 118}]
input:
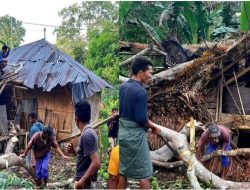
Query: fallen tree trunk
[
  {"x": 235, "y": 152},
  {"x": 9, "y": 160},
  {"x": 181, "y": 146},
  {"x": 168, "y": 165},
  {"x": 11, "y": 144},
  {"x": 169, "y": 74},
  {"x": 129, "y": 60}
]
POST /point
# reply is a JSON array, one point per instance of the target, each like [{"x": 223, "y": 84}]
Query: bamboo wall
[{"x": 56, "y": 108}]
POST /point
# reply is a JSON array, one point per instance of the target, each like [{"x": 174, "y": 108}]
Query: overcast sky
[{"x": 36, "y": 11}]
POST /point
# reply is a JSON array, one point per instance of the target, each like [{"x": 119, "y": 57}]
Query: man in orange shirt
[{"x": 113, "y": 168}]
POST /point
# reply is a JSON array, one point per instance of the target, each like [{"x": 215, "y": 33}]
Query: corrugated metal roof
[{"x": 45, "y": 66}]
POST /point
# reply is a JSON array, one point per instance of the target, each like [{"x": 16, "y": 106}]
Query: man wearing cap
[{"x": 216, "y": 137}]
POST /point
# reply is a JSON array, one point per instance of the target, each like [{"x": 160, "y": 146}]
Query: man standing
[
  {"x": 216, "y": 137},
  {"x": 113, "y": 127},
  {"x": 36, "y": 126},
  {"x": 88, "y": 162},
  {"x": 134, "y": 158}
]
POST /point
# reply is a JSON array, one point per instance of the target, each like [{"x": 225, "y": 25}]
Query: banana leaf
[{"x": 245, "y": 16}]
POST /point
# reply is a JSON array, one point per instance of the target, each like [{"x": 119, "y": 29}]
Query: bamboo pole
[
  {"x": 94, "y": 126},
  {"x": 237, "y": 86},
  {"x": 217, "y": 101}
]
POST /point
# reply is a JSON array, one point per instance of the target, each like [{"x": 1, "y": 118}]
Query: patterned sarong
[{"x": 134, "y": 156}]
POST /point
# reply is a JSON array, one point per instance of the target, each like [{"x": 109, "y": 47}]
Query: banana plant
[{"x": 245, "y": 16}]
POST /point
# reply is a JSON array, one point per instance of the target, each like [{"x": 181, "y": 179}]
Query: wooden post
[{"x": 243, "y": 110}]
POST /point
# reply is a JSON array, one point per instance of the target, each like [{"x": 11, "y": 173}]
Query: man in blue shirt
[
  {"x": 3, "y": 55},
  {"x": 135, "y": 161},
  {"x": 36, "y": 127}
]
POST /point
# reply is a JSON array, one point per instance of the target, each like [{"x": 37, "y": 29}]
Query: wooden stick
[
  {"x": 217, "y": 100},
  {"x": 238, "y": 75},
  {"x": 243, "y": 110},
  {"x": 221, "y": 95},
  {"x": 129, "y": 60},
  {"x": 94, "y": 126}
]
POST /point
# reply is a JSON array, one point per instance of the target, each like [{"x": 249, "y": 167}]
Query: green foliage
[
  {"x": 245, "y": 16},
  {"x": 124, "y": 8},
  {"x": 151, "y": 30},
  {"x": 188, "y": 22},
  {"x": 148, "y": 12},
  {"x": 154, "y": 183},
  {"x": 222, "y": 31},
  {"x": 102, "y": 172},
  {"x": 87, "y": 14},
  {"x": 110, "y": 99},
  {"x": 102, "y": 57},
  {"x": 206, "y": 185},
  {"x": 11, "y": 181},
  {"x": 12, "y": 32},
  {"x": 75, "y": 47},
  {"x": 98, "y": 51}
]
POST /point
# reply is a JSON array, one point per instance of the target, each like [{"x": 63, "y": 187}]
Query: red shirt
[
  {"x": 224, "y": 138},
  {"x": 41, "y": 147}
]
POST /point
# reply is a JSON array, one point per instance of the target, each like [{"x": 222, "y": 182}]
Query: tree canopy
[
  {"x": 12, "y": 32},
  {"x": 184, "y": 21},
  {"x": 89, "y": 33}
]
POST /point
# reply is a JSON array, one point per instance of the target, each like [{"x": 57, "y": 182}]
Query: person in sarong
[{"x": 134, "y": 156}]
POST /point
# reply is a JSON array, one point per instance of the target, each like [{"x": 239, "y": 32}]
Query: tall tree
[
  {"x": 102, "y": 56},
  {"x": 12, "y": 32},
  {"x": 89, "y": 32}
]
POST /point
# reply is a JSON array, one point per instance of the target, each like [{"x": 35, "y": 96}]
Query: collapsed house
[
  {"x": 212, "y": 88},
  {"x": 49, "y": 83}
]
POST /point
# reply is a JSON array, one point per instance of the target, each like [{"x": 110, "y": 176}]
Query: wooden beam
[
  {"x": 235, "y": 53},
  {"x": 243, "y": 127},
  {"x": 94, "y": 126},
  {"x": 129, "y": 60},
  {"x": 240, "y": 74}
]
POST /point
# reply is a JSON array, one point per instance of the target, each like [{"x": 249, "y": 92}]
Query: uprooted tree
[{"x": 181, "y": 92}]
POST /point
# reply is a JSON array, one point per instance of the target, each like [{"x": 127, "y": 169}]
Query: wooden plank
[
  {"x": 243, "y": 127},
  {"x": 18, "y": 114},
  {"x": 3, "y": 120},
  {"x": 94, "y": 126}
]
